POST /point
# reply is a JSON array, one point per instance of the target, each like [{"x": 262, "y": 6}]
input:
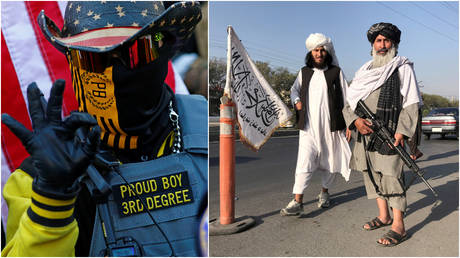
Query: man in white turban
[
  {"x": 388, "y": 86},
  {"x": 318, "y": 95}
]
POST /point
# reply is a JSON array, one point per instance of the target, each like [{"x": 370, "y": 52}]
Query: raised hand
[{"x": 57, "y": 154}]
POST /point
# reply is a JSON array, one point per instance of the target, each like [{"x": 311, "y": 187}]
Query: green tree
[
  {"x": 264, "y": 69},
  {"x": 217, "y": 74},
  {"x": 431, "y": 101},
  {"x": 280, "y": 79},
  {"x": 217, "y": 71}
]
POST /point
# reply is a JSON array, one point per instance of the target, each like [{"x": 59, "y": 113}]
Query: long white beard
[{"x": 379, "y": 60}]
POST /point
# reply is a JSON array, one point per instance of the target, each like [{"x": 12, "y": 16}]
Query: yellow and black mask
[{"x": 124, "y": 90}]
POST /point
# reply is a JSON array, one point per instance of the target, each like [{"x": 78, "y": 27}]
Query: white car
[{"x": 441, "y": 121}]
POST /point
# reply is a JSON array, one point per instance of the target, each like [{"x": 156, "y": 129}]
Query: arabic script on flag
[{"x": 259, "y": 109}]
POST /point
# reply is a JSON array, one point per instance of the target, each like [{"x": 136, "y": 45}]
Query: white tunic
[{"x": 319, "y": 148}]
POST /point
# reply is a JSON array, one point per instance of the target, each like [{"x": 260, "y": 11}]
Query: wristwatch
[{"x": 296, "y": 101}]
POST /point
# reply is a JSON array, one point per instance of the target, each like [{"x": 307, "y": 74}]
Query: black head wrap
[{"x": 386, "y": 29}]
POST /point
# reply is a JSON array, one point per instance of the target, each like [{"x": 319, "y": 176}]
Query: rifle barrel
[{"x": 386, "y": 136}]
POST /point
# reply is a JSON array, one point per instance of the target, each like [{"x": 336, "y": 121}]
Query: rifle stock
[{"x": 384, "y": 134}]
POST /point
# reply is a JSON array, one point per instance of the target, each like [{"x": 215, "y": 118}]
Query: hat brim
[{"x": 179, "y": 20}]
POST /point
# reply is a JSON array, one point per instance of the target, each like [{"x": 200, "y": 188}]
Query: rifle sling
[{"x": 369, "y": 165}]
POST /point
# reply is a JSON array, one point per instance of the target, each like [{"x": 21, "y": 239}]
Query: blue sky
[{"x": 275, "y": 32}]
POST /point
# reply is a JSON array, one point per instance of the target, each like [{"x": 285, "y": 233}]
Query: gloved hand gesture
[{"x": 57, "y": 154}]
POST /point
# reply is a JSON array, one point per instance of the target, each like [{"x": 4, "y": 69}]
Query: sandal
[
  {"x": 376, "y": 223},
  {"x": 393, "y": 237}
]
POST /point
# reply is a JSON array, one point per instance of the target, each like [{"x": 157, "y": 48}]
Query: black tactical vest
[
  {"x": 335, "y": 97},
  {"x": 172, "y": 188}
]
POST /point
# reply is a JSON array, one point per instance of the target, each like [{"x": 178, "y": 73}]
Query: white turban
[{"x": 319, "y": 40}]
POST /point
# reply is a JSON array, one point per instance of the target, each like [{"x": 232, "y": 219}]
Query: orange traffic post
[
  {"x": 227, "y": 223},
  {"x": 227, "y": 163}
]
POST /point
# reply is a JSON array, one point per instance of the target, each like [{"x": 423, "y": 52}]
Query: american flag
[{"x": 28, "y": 57}]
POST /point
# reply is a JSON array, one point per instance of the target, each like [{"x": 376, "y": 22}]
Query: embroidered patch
[
  {"x": 156, "y": 193},
  {"x": 99, "y": 89}
]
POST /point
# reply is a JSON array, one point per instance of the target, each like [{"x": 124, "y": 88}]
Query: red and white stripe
[
  {"x": 104, "y": 37},
  {"x": 28, "y": 57}
]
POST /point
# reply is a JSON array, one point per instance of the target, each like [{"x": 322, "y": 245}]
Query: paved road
[{"x": 264, "y": 184}]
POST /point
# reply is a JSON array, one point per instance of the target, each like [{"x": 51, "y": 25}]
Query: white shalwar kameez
[{"x": 319, "y": 148}]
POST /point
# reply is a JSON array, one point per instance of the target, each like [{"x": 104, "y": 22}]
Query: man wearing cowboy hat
[
  {"x": 318, "y": 96},
  {"x": 388, "y": 86},
  {"x": 144, "y": 149}
]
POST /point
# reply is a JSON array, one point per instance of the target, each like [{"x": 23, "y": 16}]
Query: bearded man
[
  {"x": 388, "y": 86},
  {"x": 318, "y": 95}
]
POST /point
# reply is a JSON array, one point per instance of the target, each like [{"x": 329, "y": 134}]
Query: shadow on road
[
  {"x": 434, "y": 172},
  {"x": 448, "y": 203},
  {"x": 441, "y": 155},
  {"x": 446, "y": 138},
  {"x": 448, "y": 192},
  {"x": 336, "y": 199}
]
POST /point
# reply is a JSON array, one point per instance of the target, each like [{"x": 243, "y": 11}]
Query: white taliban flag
[{"x": 258, "y": 108}]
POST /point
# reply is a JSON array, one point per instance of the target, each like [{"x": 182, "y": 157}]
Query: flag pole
[
  {"x": 227, "y": 224},
  {"x": 227, "y": 162}
]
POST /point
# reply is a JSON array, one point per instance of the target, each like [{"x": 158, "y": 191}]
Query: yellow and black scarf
[{"x": 130, "y": 106}]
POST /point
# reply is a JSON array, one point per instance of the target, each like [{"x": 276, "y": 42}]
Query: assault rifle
[{"x": 384, "y": 134}]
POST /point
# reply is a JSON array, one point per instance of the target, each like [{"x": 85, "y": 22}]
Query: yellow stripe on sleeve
[
  {"x": 51, "y": 214},
  {"x": 52, "y": 202}
]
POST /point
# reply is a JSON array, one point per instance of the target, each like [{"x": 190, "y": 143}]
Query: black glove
[{"x": 57, "y": 154}]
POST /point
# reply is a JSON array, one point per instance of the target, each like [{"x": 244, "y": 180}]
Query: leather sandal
[
  {"x": 393, "y": 237},
  {"x": 376, "y": 223}
]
